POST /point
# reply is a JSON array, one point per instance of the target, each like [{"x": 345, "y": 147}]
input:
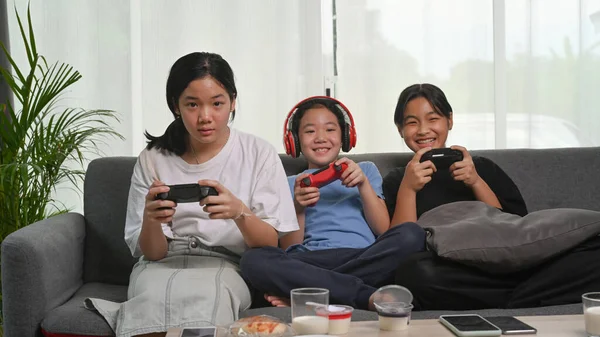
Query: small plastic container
[
  {"x": 394, "y": 316},
  {"x": 394, "y": 307},
  {"x": 339, "y": 317}
]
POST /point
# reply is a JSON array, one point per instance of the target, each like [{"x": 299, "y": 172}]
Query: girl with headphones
[{"x": 344, "y": 243}]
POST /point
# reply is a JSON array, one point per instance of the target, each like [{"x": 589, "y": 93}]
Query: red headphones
[{"x": 291, "y": 141}]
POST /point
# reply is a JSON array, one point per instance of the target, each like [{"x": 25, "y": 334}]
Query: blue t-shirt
[{"x": 337, "y": 220}]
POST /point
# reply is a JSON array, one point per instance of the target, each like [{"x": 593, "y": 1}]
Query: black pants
[
  {"x": 350, "y": 274},
  {"x": 440, "y": 284}
]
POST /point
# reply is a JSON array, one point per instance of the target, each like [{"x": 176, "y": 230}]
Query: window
[{"x": 518, "y": 73}]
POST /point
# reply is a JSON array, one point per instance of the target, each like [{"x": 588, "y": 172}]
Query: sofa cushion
[
  {"x": 552, "y": 178},
  {"x": 73, "y": 319},
  {"x": 106, "y": 189},
  {"x": 547, "y": 178},
  {"x": 476, "y": 234},
  {"x": 385, "y": 162},
  {"x": 567, "y": 309}
]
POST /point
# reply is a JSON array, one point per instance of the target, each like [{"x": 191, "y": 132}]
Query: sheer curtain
[
  {"x": 273, "y": 47},
  {"x": 124, "y": 50},
  {"x": 93, "y": 37},
  {"x": 518, "y": 73}
]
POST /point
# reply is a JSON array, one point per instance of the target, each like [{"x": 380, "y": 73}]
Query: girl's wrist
[
  {"x": 242, "y": 212},
  {"x": 363, "y": 185},
  {"x": 405, "y": 188},
  {"x": 150, "y": 223},
  {"x": 298, "y": 207},
  {"x": 478, "y": 182}
]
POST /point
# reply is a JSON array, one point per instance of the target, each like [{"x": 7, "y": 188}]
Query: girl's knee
[
  {"x": 413, "y": 227},
  {"x": 411, "y": 233},
  {"x": 417, "y": 231}
]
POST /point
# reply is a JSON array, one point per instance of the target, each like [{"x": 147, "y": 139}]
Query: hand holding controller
[
  {"x": 187, "y": 193},
  {"x": 324, "y": 175},
  {"x": 442, "y": 158}
]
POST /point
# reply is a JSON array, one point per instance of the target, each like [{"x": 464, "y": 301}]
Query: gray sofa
[{"x": 49, "y": 267}]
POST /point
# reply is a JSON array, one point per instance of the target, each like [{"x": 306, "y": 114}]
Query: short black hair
[
  {"x": 434, "y": 95},
  {"x": 186, "y": 69},
  {"x": 313, "y": 103}
]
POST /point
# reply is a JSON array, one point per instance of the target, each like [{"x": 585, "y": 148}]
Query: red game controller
[{"x": 324, "y": 175}]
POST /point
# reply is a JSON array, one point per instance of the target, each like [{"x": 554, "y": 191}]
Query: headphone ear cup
[
  {"x": 296, "y": 145},
  {"x": 288, "y": 142},
  {"x": 352, "y": 136},
  {"x": 346, "y": 139}
]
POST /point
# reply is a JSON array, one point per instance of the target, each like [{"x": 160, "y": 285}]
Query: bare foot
[
  {"x": 386, "y": 297},
  {"x": 277, "y": 301}
]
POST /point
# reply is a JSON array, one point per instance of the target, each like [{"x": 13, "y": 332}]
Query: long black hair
[
  {"x": 185, "y": 70},
  {"x": 434, "y": 95}
]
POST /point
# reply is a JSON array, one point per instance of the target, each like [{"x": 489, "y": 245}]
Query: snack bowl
[{"x": 260, "y": 326}]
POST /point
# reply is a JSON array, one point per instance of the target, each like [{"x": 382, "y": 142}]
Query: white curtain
[
  {"x": 518, "y": 73},
  {"x": 124, "y": 50}
]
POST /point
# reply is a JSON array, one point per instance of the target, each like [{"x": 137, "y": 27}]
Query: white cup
[
  {"x": 305, "y": 302},
  {"x": 591, "y": 313},
  {"x": 339, "y": 318},
  {"x": 394, "y": 316}
]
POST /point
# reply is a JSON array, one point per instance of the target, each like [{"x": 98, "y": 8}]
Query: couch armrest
[{"x": 42, "y": 267}]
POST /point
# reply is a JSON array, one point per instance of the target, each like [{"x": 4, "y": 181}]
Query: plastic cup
[
  {"x": 394, "y": 316},
  {"x": 591, "y": 313},
  {"x": 339, "y": 318},
  {"x": 305, "y": 317},
  {"x": 393, "y": 305}
]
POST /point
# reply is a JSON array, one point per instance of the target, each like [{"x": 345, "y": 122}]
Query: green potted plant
[{"x": 40, "y": 142}]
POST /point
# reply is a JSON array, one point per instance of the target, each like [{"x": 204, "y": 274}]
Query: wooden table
[{"x": 547, "y": 326}]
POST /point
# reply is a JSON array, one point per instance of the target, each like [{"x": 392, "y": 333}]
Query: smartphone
[
  {"x": 511, "y": 326},
  {"x": 469, "y": 325},
  {"x": 199, "y": 332}
]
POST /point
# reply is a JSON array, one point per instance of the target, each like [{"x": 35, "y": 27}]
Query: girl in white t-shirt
[{"x": 188, "y": 272}]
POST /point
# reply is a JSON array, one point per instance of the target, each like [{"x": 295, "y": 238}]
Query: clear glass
[
  {"x": 591, "y": 312},
  {"x": 306, "y": 319}
]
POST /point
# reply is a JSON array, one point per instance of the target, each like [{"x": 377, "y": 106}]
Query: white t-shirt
[{"x": 247, "y": 166}]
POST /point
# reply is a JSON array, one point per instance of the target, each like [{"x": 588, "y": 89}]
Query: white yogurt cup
[
  {"x": 339, "y": 318},
  {"x": 394, "y": 316}
]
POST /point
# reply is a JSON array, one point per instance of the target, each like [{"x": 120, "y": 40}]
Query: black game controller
[
  {"x": 187, "y": 193},
  {"x": 442, "y": 158}
]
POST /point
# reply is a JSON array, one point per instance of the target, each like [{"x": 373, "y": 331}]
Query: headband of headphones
[{"x": 291, "y": 141}]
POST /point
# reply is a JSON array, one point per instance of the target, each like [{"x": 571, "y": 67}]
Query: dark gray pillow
[{"x": 474, "y": 233}]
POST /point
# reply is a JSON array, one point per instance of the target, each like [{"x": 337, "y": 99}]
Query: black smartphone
[
  {"x": 199, "y": 332},
  {"x": 511, "y": 326},
  {"x": 469, "y": 325}
]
